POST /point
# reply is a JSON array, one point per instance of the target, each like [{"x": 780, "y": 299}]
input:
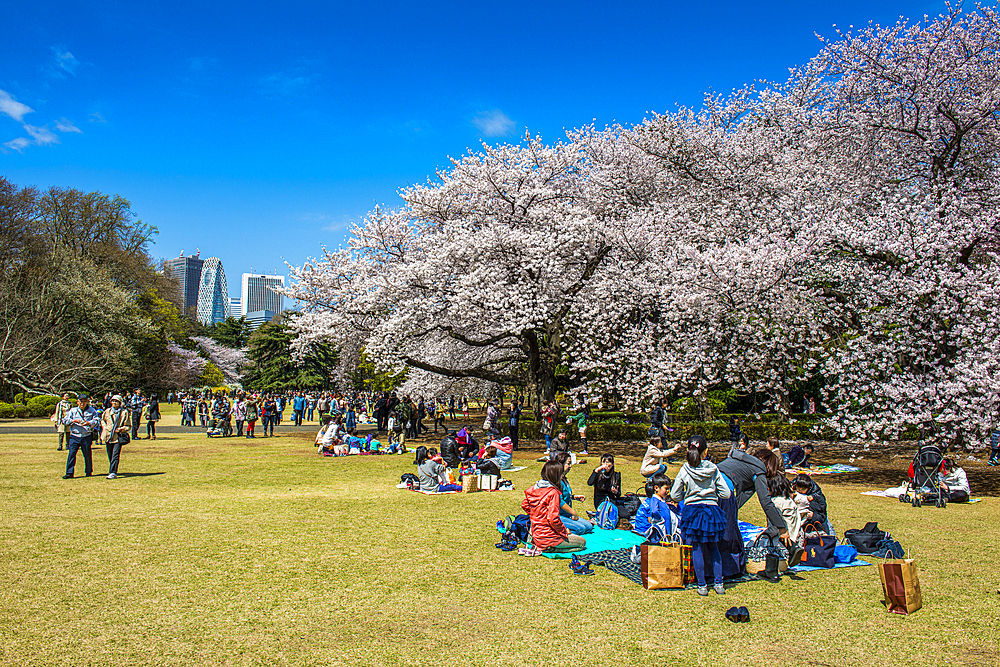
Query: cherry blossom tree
[
  {"x": 185, "y": 367},
  {"x": 226, "y": 359}
]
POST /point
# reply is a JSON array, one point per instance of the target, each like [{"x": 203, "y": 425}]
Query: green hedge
[
  {"x": 711, "y": 430},
  {"x": 8, "y": 411}
]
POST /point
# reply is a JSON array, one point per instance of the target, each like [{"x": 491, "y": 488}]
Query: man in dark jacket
[{"x": 449, "y": 450}]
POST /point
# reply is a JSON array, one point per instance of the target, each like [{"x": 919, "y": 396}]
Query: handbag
[
  {"x": 900, "y": 586},
  {"x": 665, "y": 565},
  {"x": 123, "y": 438},
  {"x": 757, "y": 554},
  {"x": 819, "y": 551}
]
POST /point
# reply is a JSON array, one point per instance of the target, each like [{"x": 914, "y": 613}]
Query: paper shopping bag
[
  {"x": 662, "y": 566},
  {"x": 900, "y": 586}
]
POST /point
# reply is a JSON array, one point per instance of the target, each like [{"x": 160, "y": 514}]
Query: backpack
[
  {"x": 412, "y": 481},
  {"x": 519, "y": 526},
  {"x": 607, "y": 515}
]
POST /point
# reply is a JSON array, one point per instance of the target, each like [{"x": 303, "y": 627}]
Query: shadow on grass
[{"x": 139, "y": 474}]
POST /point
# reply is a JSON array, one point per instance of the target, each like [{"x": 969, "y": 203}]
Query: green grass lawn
[{"x": 237, "y": 552}]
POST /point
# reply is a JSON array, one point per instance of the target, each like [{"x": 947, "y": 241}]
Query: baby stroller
[{"x": 925, "y": 483}]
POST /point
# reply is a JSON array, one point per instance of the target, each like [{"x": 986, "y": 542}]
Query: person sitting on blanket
[
  {"x": 561, "y": 445},
  {"x": 505, "y": 452},
  {"x": 449, "y": 450},
  {"x": 573, "y": 522},
  {"x": 430, "y": 474},
  {"x": 798, "y": 457},
  {"x": 652, "y": 462},
  {"x": 775, "y": 446},
  {"x": 656, "y": 513},
  {"x": 606, "y": 481},
  {"x": 781, "y": 495},
  {"x": 542, "y": 504},
  {"x": 489, "y": 462},
  {"x": 955, "y": 482},
  {"x": 815, "y": 500}
]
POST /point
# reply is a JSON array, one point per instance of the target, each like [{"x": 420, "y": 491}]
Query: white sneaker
[{"x": 111, "y": 475}]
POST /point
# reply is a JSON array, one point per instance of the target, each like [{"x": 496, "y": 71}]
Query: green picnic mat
[{"x": 604, "y": 540}]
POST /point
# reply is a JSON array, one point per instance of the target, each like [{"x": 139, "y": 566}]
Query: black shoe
[
  {"x": 90, "y": 474},
  {"x": 60, "y": 449},
  {"x": 795, "y": 557},
  {"x": 67, "y": 476},
  {"x": 733, "y": 614},
  {"x": 744, "y": 615}
]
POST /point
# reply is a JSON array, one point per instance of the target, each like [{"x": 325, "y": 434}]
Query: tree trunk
[
  {"x": 543, "y": 358},
  {"x": 704, "y": 408}
]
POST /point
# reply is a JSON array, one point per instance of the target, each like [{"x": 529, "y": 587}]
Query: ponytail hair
[{"x": 697, "y": 447}]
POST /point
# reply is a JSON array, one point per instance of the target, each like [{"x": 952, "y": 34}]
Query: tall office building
[
  {"x": 258, "y": 299},
  {"x": 187, "y": 271},
  {"x": 213, "y": 295}
]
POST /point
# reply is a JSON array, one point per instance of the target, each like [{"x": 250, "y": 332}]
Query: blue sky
[{"x": 258, "y": 131}]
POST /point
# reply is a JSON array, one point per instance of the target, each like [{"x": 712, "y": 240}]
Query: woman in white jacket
[{"x": 700, "y": 486}]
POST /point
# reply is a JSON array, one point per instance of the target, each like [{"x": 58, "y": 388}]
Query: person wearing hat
[
  {"x": 81, "y": 420},
  {"x": 115, "y": 425},
  {"x": 62, "y": 409}
]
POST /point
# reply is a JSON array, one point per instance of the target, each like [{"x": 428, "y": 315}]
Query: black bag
[
  {"x": 819, "y": 551},
  {"x": 629, "y": 505},
  {"x": 866, "y": 539}
]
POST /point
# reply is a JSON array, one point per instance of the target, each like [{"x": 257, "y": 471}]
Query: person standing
[
  {"x": 239, "y": 414},
  {"x": 135, "y": 405},
  {"x": 298, "y": 408},
  {"x": 513, "y": 420},
  {"x": 81, "y": 420},
  {"x": 451, "y": 407},
  {"x": 152, "y": 416},
  {"x": 62, "y": 408},
  {"x": 323, "y": 405},
  {"x": 115, "y": 425},
  {"x": 188, "y": 406},
  {"x": 311, "y": 405}
]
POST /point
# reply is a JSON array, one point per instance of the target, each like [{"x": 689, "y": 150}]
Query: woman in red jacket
[{"x": 542, "y": 502}]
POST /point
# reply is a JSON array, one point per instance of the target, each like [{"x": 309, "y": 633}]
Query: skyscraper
[
  {"x": 259, "y": 300},
  {"x": 187, "y": 271},
  {"x": 213, "y": 295}
]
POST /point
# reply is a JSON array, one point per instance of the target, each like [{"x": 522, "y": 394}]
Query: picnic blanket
[
  {"x": 515, "y": 469},
  {"x": 402, "y": 485},
  {"x": 605, "y": 540},
  {"x": 895, "y": 496},
  {"x": 823, "y": 470},
  {"x": 618, "y": 558}
]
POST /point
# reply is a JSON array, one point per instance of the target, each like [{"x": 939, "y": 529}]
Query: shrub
[
  {"x": 47, "y": 400},
  {"x": 6, "y": 410},
  {"x": 20, "y": 411},
  {"x": 40, "y": 410}
]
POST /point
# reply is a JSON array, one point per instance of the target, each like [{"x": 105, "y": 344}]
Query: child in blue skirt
[{"x": 700, "y": 486}]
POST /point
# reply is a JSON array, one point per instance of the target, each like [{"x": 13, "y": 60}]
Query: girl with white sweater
[{"x": 700, "y": 486}]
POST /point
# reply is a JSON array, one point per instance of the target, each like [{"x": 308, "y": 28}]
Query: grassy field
[{"x": 237, "y": 552}]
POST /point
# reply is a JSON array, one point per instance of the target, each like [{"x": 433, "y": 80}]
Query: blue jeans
[
  {"x": 310, "y": 414},
  {"x": 75, "y": 445},
  {"x": 660, "y": 470},
  {"x": 576, "y": 526}
]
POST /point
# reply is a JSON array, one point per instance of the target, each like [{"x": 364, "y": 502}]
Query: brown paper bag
[
  {"x": 900, "y": 586},
  {"x": 662, "y": 566}
]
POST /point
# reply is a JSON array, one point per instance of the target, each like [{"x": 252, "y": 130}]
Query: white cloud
[
  {"x": 63, "y": 125},
  {"x": 13, "y": 108},
  {"x": 18, "y": 144},
  {"x": 494, "y": 123},
  {"x": 65, "y": 60},
  {"x": 42, "y": 136},
  {"x": 96, "y": 117}
]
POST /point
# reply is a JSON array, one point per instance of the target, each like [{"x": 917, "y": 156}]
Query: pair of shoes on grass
[
  {"x": 738, "y": 614},
  {"x": 580, "y": 567},
  {"x": 529, "y": 550}
]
